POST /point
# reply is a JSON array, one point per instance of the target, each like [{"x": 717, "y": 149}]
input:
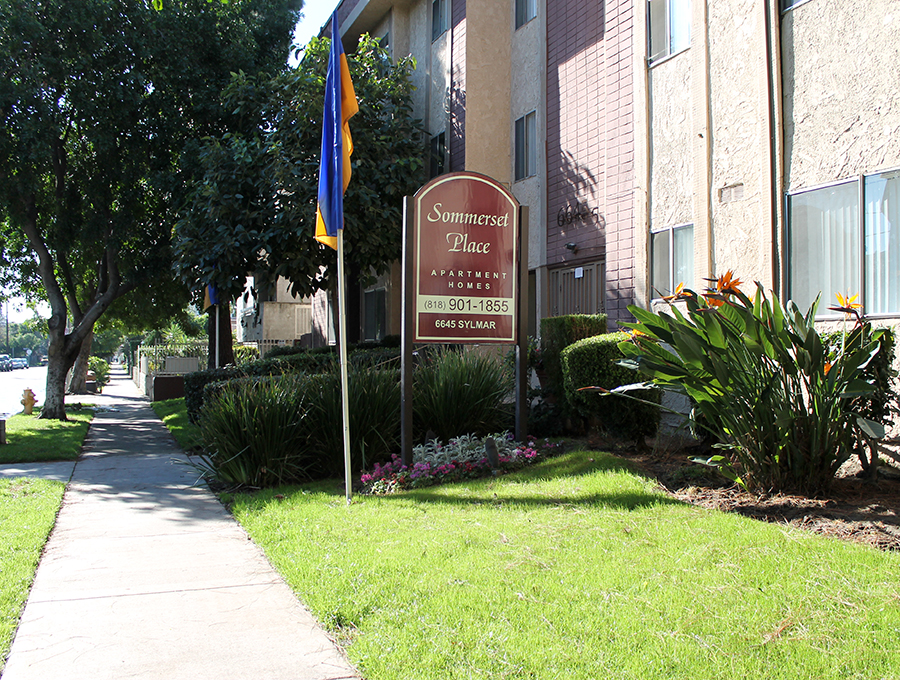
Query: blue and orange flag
[
  {"x": 337, "y": 145},
  {"x": 210, "y": 297}
]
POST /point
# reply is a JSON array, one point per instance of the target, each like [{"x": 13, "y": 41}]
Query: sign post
[{"x": 461, "y": 274}]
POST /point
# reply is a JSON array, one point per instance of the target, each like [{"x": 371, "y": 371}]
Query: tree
[
  {"x": 98, "y": 130},
  {"x": 253, "y": 210}
]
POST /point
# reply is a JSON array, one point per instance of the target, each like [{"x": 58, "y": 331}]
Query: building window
[
  {"x": 526, "y": 146},
  {"x": 669, "y": 23},
  {"x": 841, "y": 239},
  {"x": 671, "y": 259},
  {"x": 439, "y": 19},
  {"x": 790, "y": 4},
  {"x": 526, "y": 10},
  {"x": 375, "y": 314},
  {"x": 437, "y": 155}
]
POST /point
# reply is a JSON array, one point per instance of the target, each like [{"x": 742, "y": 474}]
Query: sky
[{"x": 314, "y": 15}]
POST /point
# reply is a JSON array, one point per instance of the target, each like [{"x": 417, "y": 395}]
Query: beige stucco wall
[
  {"x": 527, "y": 94},
  {"x": 711, "y": 115},
  {"x": 841, "y": 90},
  {"x": 418, "y": 40},
  {"x": 740, "y": 159},
  {"x": 488, "y": 72},
  {"x": 671, "y": 155}
]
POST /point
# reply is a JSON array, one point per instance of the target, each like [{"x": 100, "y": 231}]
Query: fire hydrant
[{"x": 28, "y": 401}]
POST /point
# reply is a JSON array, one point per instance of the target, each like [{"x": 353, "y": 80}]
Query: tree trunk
[
  {"x": 226, "y": 349},
  {"x": 78, "y": 378},
  {"x": 59, "y": 361}
]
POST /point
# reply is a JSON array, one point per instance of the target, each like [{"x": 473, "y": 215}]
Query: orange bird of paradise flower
[
  {"x": 728, "y": 283},
  {"x": 679, "y": 294},
  {"x": 846, "y": 304}
]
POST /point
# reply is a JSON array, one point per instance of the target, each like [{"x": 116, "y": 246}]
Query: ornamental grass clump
[
  {"x": 760, "y": 377},
  {"x": 254, "y": 432},
  {"x": 374, "y": 405},
  {"x": 461, "y": 392}
]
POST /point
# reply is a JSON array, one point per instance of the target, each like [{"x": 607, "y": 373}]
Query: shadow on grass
[{"x": 483, "y": 494}]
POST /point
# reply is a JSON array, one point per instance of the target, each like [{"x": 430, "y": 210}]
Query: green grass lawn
[
  {"x": 576, "y": 568},
  {"x": 174, "y": 414},
  {"x": 28, "y": 510},
  {"x": 32, "y": 440}
]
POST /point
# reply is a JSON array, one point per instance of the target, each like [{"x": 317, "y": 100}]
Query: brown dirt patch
[{"x": 854, "y": 509}]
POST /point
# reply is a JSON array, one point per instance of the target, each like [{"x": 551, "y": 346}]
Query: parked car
[
  {"x": 19, "y": 362},
  {"x": 5, "y": 362}
]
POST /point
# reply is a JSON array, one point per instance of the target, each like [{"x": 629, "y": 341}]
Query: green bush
[
  {"x": 461, "y": 392},
  {"x": 374, "y": 406},
  {"x": 557, "y": 333},
  {"x": 100, "y": 368},
  {"x": 594, "y": 362},
  {"x": 244, "y": 354},
  {"x": 255, "y": 432},
  {"x": 882, "y": 402},
  {"x": 455, "y": 393},
  {"x": 196, "y": 382},
  {"x": 760, "y": 376},
  {"x": 288, "y": 350},
  {"x": 319, "y": 360}
]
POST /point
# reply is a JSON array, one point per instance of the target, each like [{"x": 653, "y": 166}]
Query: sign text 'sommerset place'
[{"x": 465, "y": 272}]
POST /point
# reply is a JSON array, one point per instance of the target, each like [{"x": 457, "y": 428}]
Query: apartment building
[
  {"x": 664, "y": 141},
  {"x": 538, "y": 95},
  {"x": 768, "y": 144}
]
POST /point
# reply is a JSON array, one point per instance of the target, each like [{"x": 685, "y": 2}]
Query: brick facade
[{"x": 590, "y": 141}]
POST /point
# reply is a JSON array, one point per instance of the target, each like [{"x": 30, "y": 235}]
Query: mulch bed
[{"x": 854, "y": 509}]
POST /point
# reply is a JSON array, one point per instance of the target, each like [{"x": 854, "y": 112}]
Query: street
[{"x": 13, "y": 383}]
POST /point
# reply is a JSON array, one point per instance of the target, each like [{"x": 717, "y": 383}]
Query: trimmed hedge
[
  {"x": 557, "y": 333},
  {"x": 593, "y": 362},
  {"x": 319, "y": 360}
]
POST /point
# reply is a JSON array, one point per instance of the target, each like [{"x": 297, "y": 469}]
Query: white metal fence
[{"x": 156, "y": 360}]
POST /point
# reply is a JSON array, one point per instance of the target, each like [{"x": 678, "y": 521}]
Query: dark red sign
[{"x": 465, "y": 245}]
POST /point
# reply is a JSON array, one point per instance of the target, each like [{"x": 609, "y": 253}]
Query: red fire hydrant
[{"x": 28, "y": 401}]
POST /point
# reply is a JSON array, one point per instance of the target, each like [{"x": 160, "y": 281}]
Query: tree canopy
[
  {"x": 101, "y": 107},
  {"x": 253, "y": 210}
]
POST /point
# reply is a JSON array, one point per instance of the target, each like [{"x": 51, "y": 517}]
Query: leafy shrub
[
  {"x": 461, "y": 392},
  {"x": 594, "y": 362},
  {"x": 760, "y": 375},
  {"x": 100, "y": 368},
  {"x": 244, "y": 354},
  {"x": 557, "y": 333},
  {"x": 255, "y": 432},
  {"x": 287, "y": 350},
  {"x": 374, "y": 406},
  {"x": 882, "y": 402}
]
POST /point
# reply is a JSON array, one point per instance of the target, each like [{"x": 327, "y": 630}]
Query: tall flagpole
[
  {"x": 342, "y": 341},
  {"x": 216, "y": 310},
  {"x": 334, "y": 176}
]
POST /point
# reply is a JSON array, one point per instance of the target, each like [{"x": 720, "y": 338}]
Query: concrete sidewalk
[{"x": 146, "y": 576}]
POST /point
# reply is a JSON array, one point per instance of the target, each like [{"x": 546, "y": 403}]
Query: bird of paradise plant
[{"x": 761, "y": 379}]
